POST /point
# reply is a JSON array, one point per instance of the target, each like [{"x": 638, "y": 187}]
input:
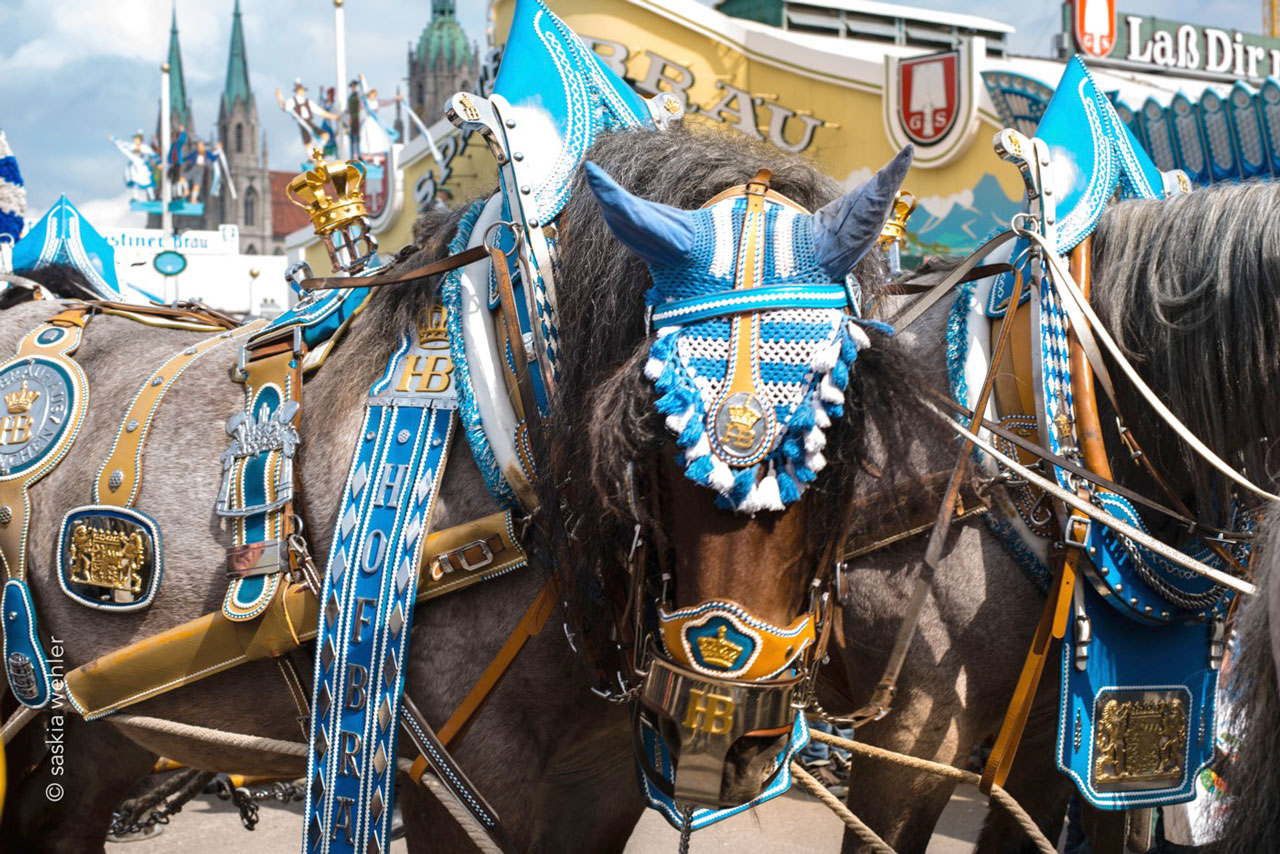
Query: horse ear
[
  {"x": 658, "y": 233},
  {"x": 843, "y": 230}
]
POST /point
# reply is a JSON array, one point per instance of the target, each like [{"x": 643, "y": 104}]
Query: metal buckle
[
  {"x": 446, "y": 559},
  {"x": 1083, "y": 541},
  {"x": 264, "y": 338}
]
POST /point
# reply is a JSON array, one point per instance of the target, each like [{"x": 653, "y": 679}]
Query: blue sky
[{"x": 74, "y": 71}]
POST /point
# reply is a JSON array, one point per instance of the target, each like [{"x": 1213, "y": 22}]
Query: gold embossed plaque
[
  {"x": 109, "y": 557},
  {"x": 106, "y": 558},
  {"x": 1140, "y": 740}
]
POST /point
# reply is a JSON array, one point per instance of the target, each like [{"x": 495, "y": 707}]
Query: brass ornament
[
  {"x": 107, "y": 558},
  {"x": 330, "y": 194},
  {"x": 1139, "y": 741},
  {"x": 895, "y": 227},
  {"x": 742, "y": 426},
  {"x": 20, "y": 401}
]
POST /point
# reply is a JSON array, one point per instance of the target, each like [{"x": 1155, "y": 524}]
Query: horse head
[{"x": 753, "y": 308}]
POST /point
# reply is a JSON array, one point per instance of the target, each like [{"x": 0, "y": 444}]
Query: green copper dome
[{"x": 444, "y": 39}]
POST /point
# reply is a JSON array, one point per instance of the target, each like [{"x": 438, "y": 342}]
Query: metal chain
[
  {"x": 686, "y": 829},
  {"x": 246, "y": 799},
  {"x": 186, "y": 784}
]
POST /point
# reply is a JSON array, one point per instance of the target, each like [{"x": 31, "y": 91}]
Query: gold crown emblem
[
  {"x": 718, "y": 650},
  {"x": 20, "y": 401},
  {"x": 435, "y": 330},
  {"x": 895, "y": 227},
  {"x": 330, "y": 193},
  {"x": 740, "y": 431}
]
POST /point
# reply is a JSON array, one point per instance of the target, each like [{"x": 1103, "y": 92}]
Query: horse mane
[
  {"x": 1252, "y": 821},
  {"x": 1189, "y": 286},
  {"x": 64, "y": 280}
]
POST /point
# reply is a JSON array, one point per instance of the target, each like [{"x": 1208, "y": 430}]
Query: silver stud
[
  {"x": 370, "y": 436},
  {"x": 402, "y": 436},
  {"x": 518, "y": 156},
  {"x": 117, "y": 478},
  {"x": 1133, "y": 600},
  {"x": 157, "y": 380},
  {"x": 190, "y": 351},
  {"x": 6, "y": 515},
  {"x": 13, "y": 615},
  {"x": 511, "y": 123},
  {"x": 131, "y": 426},
  {"x": 525, "y": 189},
  {"x": 533, "y": 223}
]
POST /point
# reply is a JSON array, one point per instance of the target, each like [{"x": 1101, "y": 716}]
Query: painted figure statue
[
  {"x": 139, "y": 171},
  {"x": 314, "y": 121},
  {"x": 374, "y": 136}
]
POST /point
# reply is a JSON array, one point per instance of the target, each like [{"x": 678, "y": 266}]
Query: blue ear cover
[
  {"x": 845, "y": 229},
  {"x": 658, "y": 233}
]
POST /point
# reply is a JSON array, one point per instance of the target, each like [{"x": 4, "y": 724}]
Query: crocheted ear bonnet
[{"x": 757, "y": 329}]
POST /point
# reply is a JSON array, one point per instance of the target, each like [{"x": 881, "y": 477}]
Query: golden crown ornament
[
  {"x": 719, "y": 651},
  {"x": 330, "y": 194},
  {"x": 20, "y": 401}
]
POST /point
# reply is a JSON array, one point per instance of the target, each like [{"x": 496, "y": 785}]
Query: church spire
[
  {"x": 237, "y": 64},
  {"x": 179, "y": 106}
]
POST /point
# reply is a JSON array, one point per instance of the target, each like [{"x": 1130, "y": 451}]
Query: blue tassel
[
  {"x": 667, "y": 378},
  {"x": 792, "y": 450},
  {"x": 699, "y": 471},
  {"x": 787, "y": 488},
  {"x": 805, "y": 475},
  {"x": 691, "y": 433},
  {"x": 802, "y": 422},
  {"x": 742, "y": 483},
  {"x": 670, "y": 403},
  {"x": 724, "y": 503},
  {"x": 835, "y": 410},
  {"x": 840, "y": 374},
  {"x": 653, "y": 296},
  {"x": 848, "y": 349},
  {"x": 663, "y": 348},
  {"x": 878, "y": 326}
]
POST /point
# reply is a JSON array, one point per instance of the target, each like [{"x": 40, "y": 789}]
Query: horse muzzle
[{"x": 722, "y": 701}]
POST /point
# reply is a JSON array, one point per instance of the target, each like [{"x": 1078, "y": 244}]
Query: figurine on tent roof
[
  {"x": 314, "y": 121},
  {"x": 139, "y": 172},
  {"x": 375, "y": 136}
]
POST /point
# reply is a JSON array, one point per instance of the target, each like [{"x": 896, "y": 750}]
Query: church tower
[
  {"x": 180, "y": 115},
  {"x": 442, "y": 63},
  {"x": 245, "y": 148}
]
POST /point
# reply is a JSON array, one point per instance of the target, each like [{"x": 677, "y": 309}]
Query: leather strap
[
  {"x": 913, "y": 312},
  {"x": 121, "y": 473},
  {"x": 533, "y": 621},
  {"x": 211, "y": 644},
  {"x": 461, "y": 259},
  {"x": 197, "y": 317},
  {"x": 519, "y": 382},
  {"x": 1052, "y": 626},
  {"x": 14, "y": 524},
  {"x": 432, "y": 752}
]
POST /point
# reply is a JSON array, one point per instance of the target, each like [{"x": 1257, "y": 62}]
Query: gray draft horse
[
  {"x": 1190, "y": 287},
  {"x": 554, "y": 760}
]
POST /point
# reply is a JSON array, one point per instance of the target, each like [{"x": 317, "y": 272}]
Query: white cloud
[
  {"x": 857, "y": 178},
  {"x": 940, "y": 206},
  {"x": 113, "y": 212}
]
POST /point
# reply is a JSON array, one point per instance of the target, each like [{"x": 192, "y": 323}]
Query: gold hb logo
[
  {"x": 740, "y": 432},
  {"x": 432, "y": 372},
  {"x": 20, "y": 400},
  {"x": 710, "y": 713},
  {"x": 15, "y": 429}
]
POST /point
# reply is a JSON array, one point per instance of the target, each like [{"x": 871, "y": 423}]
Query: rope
[
  {"x": 997, "y": 794},
  {"x": 686, "y": 829},
  {"x": 865, "y": 835},
  {"x": 16, "y": 722},
  {"x": 429, "y": 781}
]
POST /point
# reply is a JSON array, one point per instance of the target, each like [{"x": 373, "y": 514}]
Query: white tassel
[
  {"x": 829, "y": 392},
  {"x": 676, "y": 423},
  {"x": 721, "y": 478},
  {"x": 825, "y": 359},
  {"x": 700, "y": 448},
  {"x": 820, "y": 417},
  {"x": 653, "y": 369},
  {"x": 859, "y": 336},
  {"x": 769, "y": 497},
  {"x": 815, "y": 440},
  {"x": 816, "y": 462},
  {"x": 664, "y": 331},
  {"x": 752, "y": 504}
]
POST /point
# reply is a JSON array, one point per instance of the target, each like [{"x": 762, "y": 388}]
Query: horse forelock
[{"x": 1190, "y": 288}]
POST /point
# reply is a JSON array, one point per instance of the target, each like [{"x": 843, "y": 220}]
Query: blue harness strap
[{"x": 368, "y": 597}]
